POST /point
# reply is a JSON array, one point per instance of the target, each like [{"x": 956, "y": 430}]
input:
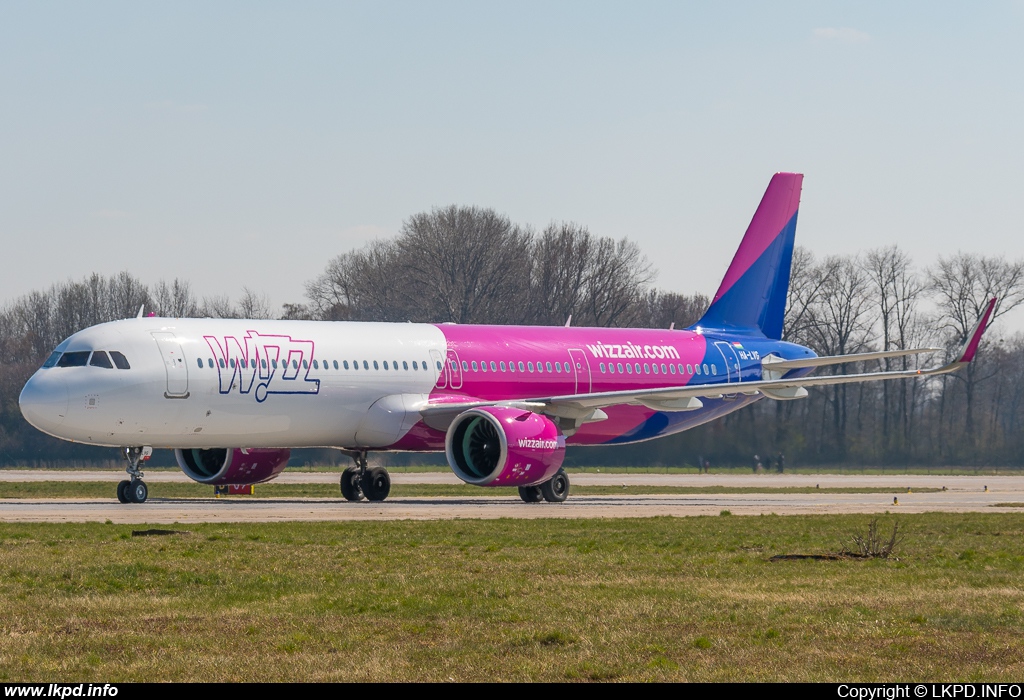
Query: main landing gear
[
  {"x": 135, "y": 489},
  {"x": 554, "y": 490},
  {"x": 357, "y": 481}
]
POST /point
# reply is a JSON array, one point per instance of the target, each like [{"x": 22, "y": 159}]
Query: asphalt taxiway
[{"x": 961, "y": 494}]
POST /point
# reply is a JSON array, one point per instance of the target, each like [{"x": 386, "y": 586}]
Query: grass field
[
  {"x": 695, "y": 598},
  {"x": 93, "y": 489}
]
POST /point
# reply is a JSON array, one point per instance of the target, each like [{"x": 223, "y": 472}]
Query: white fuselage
[{"x": 187, "y": 386}]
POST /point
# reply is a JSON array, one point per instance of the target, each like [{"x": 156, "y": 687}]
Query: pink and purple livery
[{"x": 502, "y": 402}]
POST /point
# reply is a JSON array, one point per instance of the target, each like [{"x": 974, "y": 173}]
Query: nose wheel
[{"x": 134, "y": 490}]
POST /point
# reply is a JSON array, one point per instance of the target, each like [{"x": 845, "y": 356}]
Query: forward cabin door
[
  {"x": 581, "y": 366},
  {"x": 174, "y": 365}
]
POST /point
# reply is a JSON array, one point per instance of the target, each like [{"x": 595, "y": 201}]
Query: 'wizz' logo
[{"x": 263, "y": 364}]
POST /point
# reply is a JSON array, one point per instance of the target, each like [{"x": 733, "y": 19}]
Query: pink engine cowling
[
  {"x": 232, "y": 465},
  {"x": 500, "y": 446}
]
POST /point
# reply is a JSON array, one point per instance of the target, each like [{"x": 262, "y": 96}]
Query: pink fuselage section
[{"x": 500, "y": 363}]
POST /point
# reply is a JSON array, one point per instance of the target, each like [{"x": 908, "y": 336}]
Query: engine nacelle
[
  {"x": 500, "y": 446},
  {"x": 232, "y": 465}
]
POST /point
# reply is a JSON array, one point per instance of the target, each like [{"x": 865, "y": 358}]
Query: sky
[{"x": 245, "y": 144}]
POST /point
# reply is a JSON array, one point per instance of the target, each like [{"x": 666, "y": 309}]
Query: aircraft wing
[{"x": 587, "y": 407}]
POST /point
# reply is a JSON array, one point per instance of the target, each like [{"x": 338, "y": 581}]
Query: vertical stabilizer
[{"x": 752, "y": 296}]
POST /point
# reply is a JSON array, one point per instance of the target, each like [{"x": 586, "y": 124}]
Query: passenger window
[
  {"x": 209, "y": 362},
  {"x": 385, "y": 364},
  {"x": 474, "y": 366},
  {"x": 273, "y": 363},
  {"x": 629, "y": 368},
  {"x": 438, "y": 363},
  {"x": 547, "y": 366},
  {"x": 619, "y": 368},
  {"x": 405, "y": 365},
  {"x": 220, "y": 361},
  {"x": 637, "y": 366},
  {"x": 714, "y": 369},
  {"x": 654, "y": 368},
  {"x": 689, "y": 369},
  {"x": 664, "y": 369},
  {"x": 120, "y": 361},
  {"x": 647, "y": 368},
  {"x": 705, "y": 369},
  {"x": 100, "y": 359},
  {"x": 375, "y": 365},
  {"x": 424, "y": 365},
  {"x": 672, "y": 368},
  {"x": 521, "y": 367},
  {"x": 602, "y": 368},
  {"x": 317, "y": 366},
  {"x": 503, "y": 366},
  {"x": 696, "y": 369},
  {"x": 567, "y": 367},
  {"x": 394, "y": 365},
  {"x": 344, "y": 364},
  {"x": 263, "y": 362},
  {"x": 558, "y": 367},
  {"x": 335, "y": 363},
  {"x": 252, "y": 363},
  {"x": 530, "y": 366},
  {"x": 200, "y": 361},
  {"x": 465, "y": 366},
  {"x": 494, "y": 367}
]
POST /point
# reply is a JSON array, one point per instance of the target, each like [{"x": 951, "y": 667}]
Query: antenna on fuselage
[
  {"x": 139, "y": 315},
  {"x": 568, "y": 321},
  {"x": 672, "y": 326}
]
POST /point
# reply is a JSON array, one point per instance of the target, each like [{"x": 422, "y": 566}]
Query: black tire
[
  {"x": 556, "y": 489},
  {"x": 530, "y": 494},
  {"x": 122, "y": 488},
  {"x": 376, "y": 484},
  {"x": 137, "y": 491},
  {"x": 350, "y": 487}
]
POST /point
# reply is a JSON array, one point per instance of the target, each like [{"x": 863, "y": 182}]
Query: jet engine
[
  {"x": 501, "y": 446},
  {"x": 232, "y": 465}
]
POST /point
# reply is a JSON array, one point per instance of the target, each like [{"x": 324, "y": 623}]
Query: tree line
[{"x": 473, "y": 265}]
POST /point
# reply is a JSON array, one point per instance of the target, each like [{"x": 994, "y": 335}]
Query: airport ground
[
  {"x": 480, "y": 587},
  {"x": 87, "y": 496}
]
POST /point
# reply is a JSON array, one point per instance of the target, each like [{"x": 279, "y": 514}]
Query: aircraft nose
[{"x": 44, "y": 400}]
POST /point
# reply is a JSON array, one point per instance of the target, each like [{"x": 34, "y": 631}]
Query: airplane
[{"x": 233, "y": 397}]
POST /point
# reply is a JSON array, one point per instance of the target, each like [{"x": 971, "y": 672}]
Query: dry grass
[{"x": 652, "y": 599}]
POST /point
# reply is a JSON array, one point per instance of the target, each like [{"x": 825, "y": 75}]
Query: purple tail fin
[{"x": 752, "y": 296}]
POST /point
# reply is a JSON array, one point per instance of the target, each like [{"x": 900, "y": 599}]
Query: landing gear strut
[
  {"x": 135, "y": 489},
  {"x": 358, "y": 481}
]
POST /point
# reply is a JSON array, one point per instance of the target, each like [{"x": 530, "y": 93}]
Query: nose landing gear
[{"x": 134, "y": 490}]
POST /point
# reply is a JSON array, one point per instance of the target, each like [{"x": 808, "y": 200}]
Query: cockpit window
[
  {"x": 120, "y": 361},
  {"x": 52, "y": 359},
  {"x": 74, "y": 359},
  {"x": 100, "y": 359}
]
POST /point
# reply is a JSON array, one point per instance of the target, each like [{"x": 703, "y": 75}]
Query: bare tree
[{"x": 254, "y": 305}]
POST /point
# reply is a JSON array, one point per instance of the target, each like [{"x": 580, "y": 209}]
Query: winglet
[
  {"x": 139, "y": 315},
  {"x": 971, "y": 347}
]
